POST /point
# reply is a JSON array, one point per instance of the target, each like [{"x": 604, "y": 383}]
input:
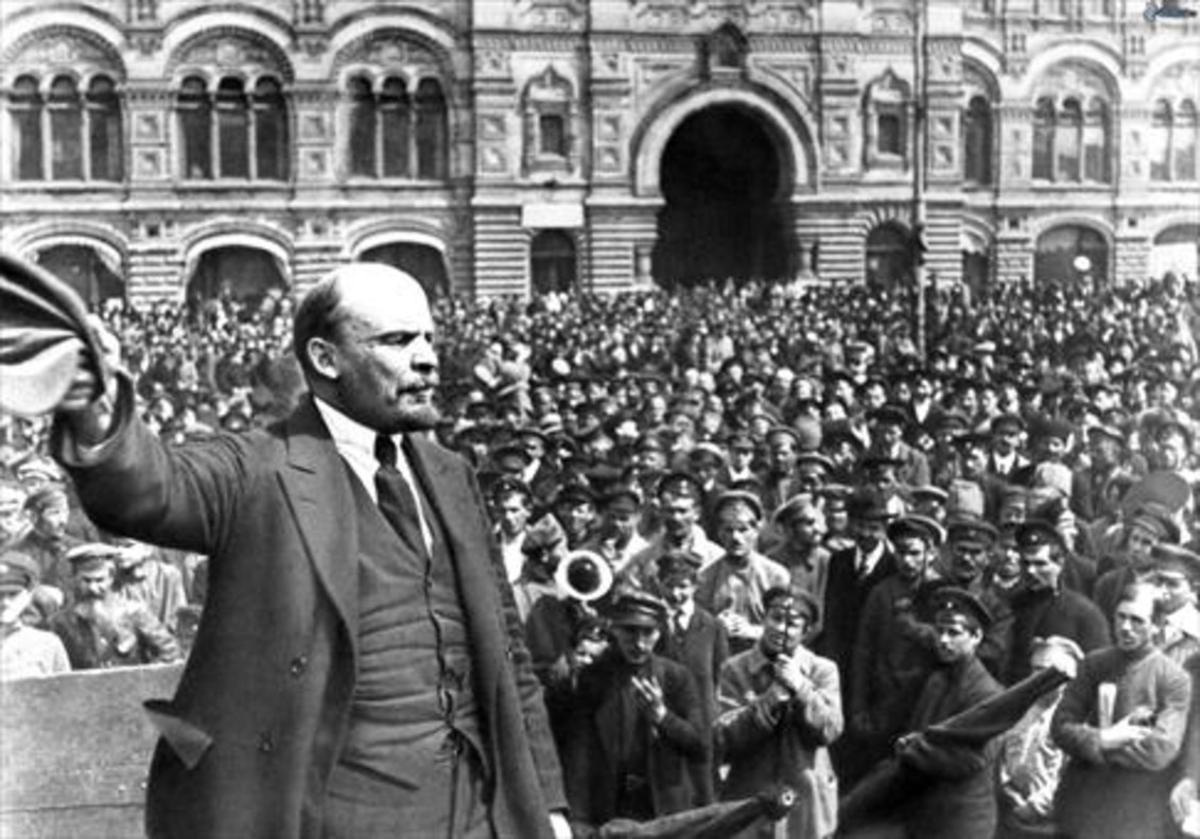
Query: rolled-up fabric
[
  {"x": 892, "y": 781},
  {"x": 44, "y": 335},
  {"x": 715, "y": 821}
]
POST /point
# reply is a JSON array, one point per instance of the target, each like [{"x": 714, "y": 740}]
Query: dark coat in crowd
[
  {"x": 256, "y": 724},
  {"x": 960, "y": 803},
  {"x": 702, "y": 648},
  {"x": 1042, "y": 614},
  {"x": 605, "y": 723}
]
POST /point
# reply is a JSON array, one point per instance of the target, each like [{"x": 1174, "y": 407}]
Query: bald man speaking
[{"x": 359, "y": 671}]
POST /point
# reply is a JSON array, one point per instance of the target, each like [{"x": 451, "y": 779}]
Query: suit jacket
[
  {"x": 591, "y": 758},
  {"x": 262, "y": 709},
  {"x": 845, "y": 596},
  {"x": 702, "y": 649}
]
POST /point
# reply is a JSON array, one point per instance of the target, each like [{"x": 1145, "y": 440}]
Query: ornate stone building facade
[{"x": 160, "y": 148}]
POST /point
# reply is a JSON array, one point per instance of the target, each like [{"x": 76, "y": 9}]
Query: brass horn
[{"x": 583, "y": 575}]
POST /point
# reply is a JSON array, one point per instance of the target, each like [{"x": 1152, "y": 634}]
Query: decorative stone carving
[
  {"x": 549, "y": 14},
  {"x": 227, "y": 48},
  {"x": 757, "y": 15},
  {"x": 609, "y": 159},
  {"x": 391, "y": 48},
  {"x": 891, "y": 22},
  {"x": 316, "y": 163},
  {"x": 609, "y": 127},
  {"x": 314, "y": 127},
  {"x": 492, "y": 127},
  {"x": 64, "y": 46},
  {"x": 147, "y": 127},
  {"x": 493, "y": 160},
  {"x": 149, "y": 163},
  {"x": 492, "y": 63}
]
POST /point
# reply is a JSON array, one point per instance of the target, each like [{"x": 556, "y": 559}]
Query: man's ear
[{"x": 323, "y": 357}]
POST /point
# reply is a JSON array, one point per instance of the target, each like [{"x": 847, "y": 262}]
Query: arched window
[
  {"x": 362, "y": 127},
  {"x": 195, "y": 128},
  {"x": 104, "y": 130},
  {"x": 395, "y": 118},
  {"x": 1183, "y": 141},
  {"x": 66, "y": 130},
  {"x": 270, "y": 131},
  {"x": 886, "y": 143},
  {"x": 1096, "y": 126},
  {"x": 547, "y": 105},
  {"x": 1043, "y": 139},
  {"x": 1066, "y": 141},
  {"x": 1160, "y": 141},
  {"x": 397, "y": 133},
  {"x": 431, "y": 130},
  {"x": 25, "y": 111},
  {"x": 233, "y": 129},
  {"x": 977, "y": 142}
]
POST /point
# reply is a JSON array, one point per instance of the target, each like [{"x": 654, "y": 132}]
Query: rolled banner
[{"x": 44, "y": 335}]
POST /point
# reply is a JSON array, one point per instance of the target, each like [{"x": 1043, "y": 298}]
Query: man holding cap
[
  {"x": 101, "y": 629},
  {"x": 24, "y": 650},
  {"x": 780, "y": 708},
  {"x": 635, "y": 727}
]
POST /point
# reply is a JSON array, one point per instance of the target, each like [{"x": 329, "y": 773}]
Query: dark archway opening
[
  {"x": 423, "y": 262},
  {"x": 976, "y": 271},
  {"x": 1176, "y": 250},
  {"x": 235, "y": 272},
  {"x": 84, "y": 271},
  {"x": 552, "y": 262},
  {"x": 1071, "y": 255},
  {"x": 726, "y": 214},
  {"x": 888, "y": 259}
]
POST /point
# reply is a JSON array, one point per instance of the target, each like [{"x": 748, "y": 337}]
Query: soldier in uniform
[
  {"x": 100, "y": 628},
  {"x": 24, "y": 650}
]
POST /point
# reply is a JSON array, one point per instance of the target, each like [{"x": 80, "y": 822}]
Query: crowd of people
[{"x": 756, "y": 535}]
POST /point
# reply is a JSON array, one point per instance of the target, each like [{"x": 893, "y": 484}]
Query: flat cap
[
  {"x": 1166, "y": 555},
  {"x": 796, "y": 601},
  {"x": 916, "y": 526},
  {"x": 678, "y": 562},
  {"x": 91, "y": 554},
  {"x": 636, "y": 608},
  {"x": 18, "y": 571},
  {"x": 737, "y": 496},
  {"x": 1035, "y": 532},
  {"x": 952, "y": 603},
  {"x": 971, "y": 531}
]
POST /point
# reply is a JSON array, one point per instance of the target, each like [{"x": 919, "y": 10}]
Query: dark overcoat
[
  {"x": 262, "y": 708},
  {"x": 591, "y": 759}
]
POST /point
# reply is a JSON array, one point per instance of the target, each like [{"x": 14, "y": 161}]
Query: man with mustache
[{"x": 360, "y": 670}]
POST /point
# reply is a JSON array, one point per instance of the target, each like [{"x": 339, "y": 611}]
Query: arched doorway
[
  {"x": 888, "y": 260},
  {"x": 242, "y": 273},
  {"x": 1071, "y": 255},
  {"x": 1176, "y": 250},
  {"x": 726, "y": 213},
  {"x": 552, "y": 262},
  {"x": 83, "y": 269},
  {"x": 421, "y": 261}
]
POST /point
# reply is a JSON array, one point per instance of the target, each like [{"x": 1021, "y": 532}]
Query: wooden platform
[{"x": 74, "y": 752}]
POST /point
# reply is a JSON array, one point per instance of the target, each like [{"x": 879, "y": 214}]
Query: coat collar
[{"x": 317, "y": 486}]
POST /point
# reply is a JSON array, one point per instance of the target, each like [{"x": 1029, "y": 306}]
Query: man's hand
[
  {"x": 559, "y": 825},
  {"x": 649, "y": 696},
  {"x": 738, "y": 626},
  {"x": 1185, "y": 807},
  {"x": 1122, "y": 733},
  {"x": 787, "y": 673},
  {"x": 88, "y": 403}
]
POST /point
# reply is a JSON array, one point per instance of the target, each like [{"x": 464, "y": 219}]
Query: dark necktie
[{"x": 396, "y": 499}]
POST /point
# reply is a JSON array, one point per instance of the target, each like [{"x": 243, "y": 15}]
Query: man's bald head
[{"x": 339, "y": 295}]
